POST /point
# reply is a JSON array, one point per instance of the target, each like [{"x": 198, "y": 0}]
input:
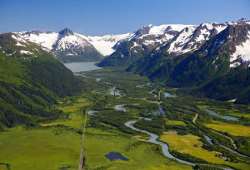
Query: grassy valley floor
[{"x": 55, "y": 144}]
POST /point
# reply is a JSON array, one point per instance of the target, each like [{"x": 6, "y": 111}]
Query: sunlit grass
[
  {"x": 39, "y": 149},
  {"x": 232, "y": 129},
  {"x": 74, "y": 105},
  {"x": 73, "y": 108},
  {"x": 175, "y": 122},
  {"x": 74, "y": 121},
  {"x": 191, "y": 145},
  {"x": 141, "y": 155}
]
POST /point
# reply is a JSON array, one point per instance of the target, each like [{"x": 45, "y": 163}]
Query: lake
[{"x": 81, "y": 66}]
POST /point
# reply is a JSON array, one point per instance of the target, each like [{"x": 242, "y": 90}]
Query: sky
[{"x": 98, "y": 17}]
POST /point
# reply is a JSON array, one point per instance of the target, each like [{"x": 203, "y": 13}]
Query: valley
[
  {"x": 127, "y": 114},
  {"x": 125, "y": 85}
]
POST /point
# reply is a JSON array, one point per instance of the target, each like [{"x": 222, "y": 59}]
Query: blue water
[
  {"x": 166, "y": 94},
  {"x": 229, "y": 118},
  {"x": 115, "y": 156},
  {"x": 82, "y": 66}
]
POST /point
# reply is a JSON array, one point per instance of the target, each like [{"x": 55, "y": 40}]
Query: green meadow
[{"x": 55, "y": 144}]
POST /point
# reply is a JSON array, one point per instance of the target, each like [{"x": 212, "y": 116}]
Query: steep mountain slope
[
  {"x": 204, "y": 56},
  {"x": 212, "y": 64},
  {"x": 215, "y": 57},
  {"x": 160, "y": 63},
  {"x": 30, "y": 81},
  {"x": 192, "y": 38},
  {"x": 66, "y": 45},
  {"x": 234, "y": 83},
  {"x": 69, "y": 46},
  {"x": 173, "y": 40},
  {"x": 141, "y": 43},
  {"x": 234, "y": 86}
]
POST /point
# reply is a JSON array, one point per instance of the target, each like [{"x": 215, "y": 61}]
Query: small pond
[{"x": 116, "y": 156}]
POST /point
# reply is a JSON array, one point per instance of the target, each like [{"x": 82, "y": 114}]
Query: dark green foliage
[
  {"x": 30, "y": 85},
  {"x": 53, "y": 75},
  {"x": 205, "y": 167},
  {"x": 244, "y": 145},
  {"x": 233, "y": 85},
  {"x": 110, "y": 118},
  {"x": 157, "y": 125}
]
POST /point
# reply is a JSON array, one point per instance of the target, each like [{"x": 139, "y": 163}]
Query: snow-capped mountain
[
  {"x": 12, "y": 44},
  {"x": 175, "y": 40},
  {"x": 148, "y": 37},
  {"x": 168, "y": 39},
  {"x": 69, "y": 46},
  {"x": 172, "y": 39},
  {"x": 104, "y": 44},
  {"x": 142, "y": 42},
  {"x": 242, "y": 53},
  {"x": 214, "y": 57},
  {"x": 191, "y": 38}
]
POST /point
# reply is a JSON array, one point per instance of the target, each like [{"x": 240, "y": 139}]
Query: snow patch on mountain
[
  {"x": 70, "y": 41},
  {"x": 220, "y": 28},
  {"x": 151, "y": 37},
  {"x": 18, "y": 44},
  {"x": 242, "y": 52},
  {"x": 192, "y": 37},
  {"x": 25, "y": 52},
  {"x": 18, "y": 38},
  {"x": 104, "y": 44},
  {"x": 66, "y": 39},
  {"x": 156, "y": 30},
  {"x": 177, "y": 46},
  {"x": 45, "y": 39}
]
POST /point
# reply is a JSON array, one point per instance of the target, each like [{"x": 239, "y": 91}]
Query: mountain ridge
[
  {"x": 193, "y": 58},
  {"x": 70, "y": 46}
]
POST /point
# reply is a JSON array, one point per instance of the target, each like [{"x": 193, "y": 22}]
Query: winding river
[{"x": 153, "y": 139}]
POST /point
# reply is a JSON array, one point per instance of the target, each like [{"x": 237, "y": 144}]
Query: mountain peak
[{"x": 66, "y": 31}]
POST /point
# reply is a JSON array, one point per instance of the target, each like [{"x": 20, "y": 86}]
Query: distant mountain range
[
  {"x": 210, "y": 59},
  {"x": 171, "y": 39},
  {"x": 69, "y": 46}
]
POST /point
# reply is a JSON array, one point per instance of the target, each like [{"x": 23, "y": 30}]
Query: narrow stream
[{"x": 153, "y": 139}]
